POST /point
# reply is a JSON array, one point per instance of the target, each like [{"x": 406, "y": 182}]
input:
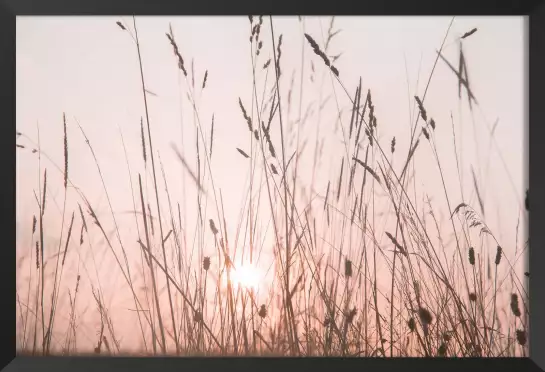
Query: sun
[{"x": 247, "y": 276}]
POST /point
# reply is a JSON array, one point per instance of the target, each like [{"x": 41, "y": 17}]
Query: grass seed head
[
  {"x": 81, "y": 236},
  {"x": 243, "y": 153},
  {"x": 348, "y": 268},
  {"x": 472, "y": 256},
  {"x": 205, "y": 79},
  {"x": 213, "y": 227},
  {"x": 425, "y": 316},
  {"x": 271, "y": 149},
  {"x": 143, "y": 139},
  {"x": 206, "y": 263},
  {"x": 245, "y": 115},
  {"x": 37, "y": 255},
  {"x": 44, "y": 192},
  {"x": 181, "y": 65},
  {"x": 262, "y": 311},
  {"x": 515, "y": 305},
  {"x": 521, "y": 337},
  {"x": 412, "y": 324},
  {"x": 426, "y": 134},
  {"x": 421, "y": 108},
  {"x": 498, "y": 255}
]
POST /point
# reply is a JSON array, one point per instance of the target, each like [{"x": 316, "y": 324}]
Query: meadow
[{"x": 304, "y": 224}]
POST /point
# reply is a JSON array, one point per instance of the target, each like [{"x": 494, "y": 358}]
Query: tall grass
[{"x": 328, "y": 293}]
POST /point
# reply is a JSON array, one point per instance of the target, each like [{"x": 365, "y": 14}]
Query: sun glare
[{"x": 247, "y": 276}]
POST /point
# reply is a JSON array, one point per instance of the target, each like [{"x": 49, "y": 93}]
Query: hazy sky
[{"x": 88, "y": 68}]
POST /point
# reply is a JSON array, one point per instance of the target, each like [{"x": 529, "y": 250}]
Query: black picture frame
[{"x": 535, "y": 10}]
